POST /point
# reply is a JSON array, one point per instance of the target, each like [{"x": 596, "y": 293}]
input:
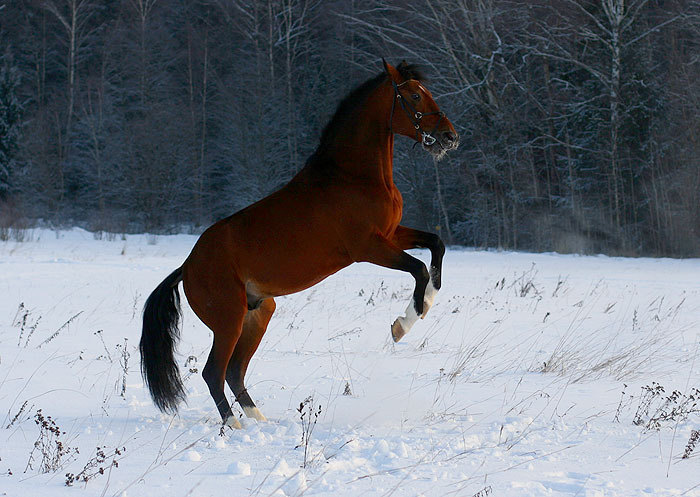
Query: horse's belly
[
  {"x": 291, "y": 276},
  {"x": 280, "y": 262}
]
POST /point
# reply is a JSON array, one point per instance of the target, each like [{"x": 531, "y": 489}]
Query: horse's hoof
[
  {"x": 254, "y": 413},
  {"x": 232, "y": 422},
  {"x": 397, "y": 331}
]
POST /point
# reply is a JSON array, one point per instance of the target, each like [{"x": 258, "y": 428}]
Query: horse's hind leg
[
  {"x": 225, "y": 318},
  {"x": 254, "y": 327}
]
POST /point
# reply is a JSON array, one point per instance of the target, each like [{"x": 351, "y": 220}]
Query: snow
[{"x": 525, "y": 378}]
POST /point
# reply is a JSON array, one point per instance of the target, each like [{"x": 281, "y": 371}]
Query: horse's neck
[{"x": 367, "y": 153}]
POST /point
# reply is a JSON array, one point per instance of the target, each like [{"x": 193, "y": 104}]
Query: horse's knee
[
  {"x": 214, "y": 372},
  {"x": 421, "y": 274},
  {"x": 438, "y": 246}
]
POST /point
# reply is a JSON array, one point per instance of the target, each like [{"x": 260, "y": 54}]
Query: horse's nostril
[{"x": 449, "y": 136}]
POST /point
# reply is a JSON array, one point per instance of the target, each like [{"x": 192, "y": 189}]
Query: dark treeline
[{"x": 579, "y": 120}]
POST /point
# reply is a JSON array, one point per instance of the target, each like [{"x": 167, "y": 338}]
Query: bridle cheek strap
[{"x": 415, "y": 116}]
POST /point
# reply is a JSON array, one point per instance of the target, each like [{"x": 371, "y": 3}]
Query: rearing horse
[{"x": 342, "y": 207}]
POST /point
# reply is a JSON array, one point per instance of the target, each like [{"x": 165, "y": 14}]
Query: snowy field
[{"x": 533, "y": 375}]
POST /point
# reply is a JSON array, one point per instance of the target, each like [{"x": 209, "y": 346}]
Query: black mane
[{"x": 355, "y": 99}]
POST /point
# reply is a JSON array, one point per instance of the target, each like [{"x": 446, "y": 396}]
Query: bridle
[{"x": 414, "y": 116}]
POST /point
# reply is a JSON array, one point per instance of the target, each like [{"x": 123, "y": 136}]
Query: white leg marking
[
  {"x": 254, "y": 413},
  {"x": 409, "y": 319},
  {"x": 403, "y": 324},
  {"x": 430, "y": 294},
  {"x": 232, "y": 422}
]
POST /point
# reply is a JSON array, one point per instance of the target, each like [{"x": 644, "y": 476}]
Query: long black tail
[{"x": 161, "y": 315}]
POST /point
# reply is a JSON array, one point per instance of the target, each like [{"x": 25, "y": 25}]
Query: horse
[{"x": 341, "y": 207}]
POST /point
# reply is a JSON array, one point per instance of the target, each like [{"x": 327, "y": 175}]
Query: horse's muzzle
[
  {"x": 440, "y": 143},
  {"x": 449, "y": 140}
]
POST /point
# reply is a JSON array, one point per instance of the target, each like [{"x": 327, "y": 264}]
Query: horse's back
[{"x": 281, "y": 244}]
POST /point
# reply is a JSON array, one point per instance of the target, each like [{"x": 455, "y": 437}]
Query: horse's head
[{"x": 415, "y": 114}]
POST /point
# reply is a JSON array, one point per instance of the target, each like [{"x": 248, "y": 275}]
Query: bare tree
[
  {"x": 74, "y": 16},
  {"x": 577, "y": 117}
]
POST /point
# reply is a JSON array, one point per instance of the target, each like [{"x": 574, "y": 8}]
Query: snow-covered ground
[{"x": 533, "y": 374}]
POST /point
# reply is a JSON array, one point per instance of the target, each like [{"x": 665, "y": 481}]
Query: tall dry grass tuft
[
  {"x": 583, "y": 354},
  {"x": 655, "y": 408},
  {"x": 308, "y": 414},
  {"x": 49, "y": 450}
]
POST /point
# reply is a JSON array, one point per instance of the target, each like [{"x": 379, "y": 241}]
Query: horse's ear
[
  {"x": 394, "y": 75},
  {"x": 386, "y": 66}
]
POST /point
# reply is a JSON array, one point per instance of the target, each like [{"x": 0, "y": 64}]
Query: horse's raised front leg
[
  {"x": 386, "y": 253},
  {"x": 408, "y": 238}
]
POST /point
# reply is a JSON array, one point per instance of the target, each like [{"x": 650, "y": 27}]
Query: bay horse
[{"x": 342, "y": 207}]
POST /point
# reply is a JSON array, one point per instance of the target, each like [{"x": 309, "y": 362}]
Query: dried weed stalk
[
  {"x": 692, "y": 441},
  {"x": 655, "y": 409},
  {"x": 102, "y": 461},
  {"x": 308, "y": 414},
  {"x": 48, "y": 446}
]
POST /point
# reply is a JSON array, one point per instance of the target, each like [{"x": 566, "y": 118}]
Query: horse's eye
[{"x": 415, "y": 96}]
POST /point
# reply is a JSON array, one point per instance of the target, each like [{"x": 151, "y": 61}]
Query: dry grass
[{"x": 625, "y": 347}]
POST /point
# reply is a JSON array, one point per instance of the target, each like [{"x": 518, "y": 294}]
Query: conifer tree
[{"x": 10, "y": 115}]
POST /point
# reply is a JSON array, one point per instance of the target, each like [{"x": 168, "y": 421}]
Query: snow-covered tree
[{"x": 10, "y": 122}]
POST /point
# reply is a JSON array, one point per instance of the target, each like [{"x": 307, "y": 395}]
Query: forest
[{"x": 579, "y": 119}]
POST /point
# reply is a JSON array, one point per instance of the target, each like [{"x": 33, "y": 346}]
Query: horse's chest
[
  {"x": 397, "y": 204},
  {"x": 392, "y": 211},
  {"x": 373, "y": 210}
]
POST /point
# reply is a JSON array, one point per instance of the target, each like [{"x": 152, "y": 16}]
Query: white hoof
[
  {"x": 232, "y": 422},
  {"x": 254, "y": 413},
  {"x": 397, "y": 331}
]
